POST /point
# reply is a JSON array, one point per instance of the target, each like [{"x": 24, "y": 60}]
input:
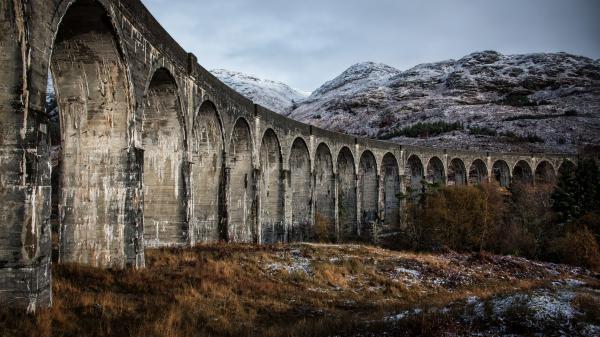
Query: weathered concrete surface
[
  {"x": 208, "y": 177},
  {"x": 346, "y": 196},
  {"x": 368, "y": 183},
  {"x": 271, "y": 214},
  {"x": 391, "y": 190},
  {"x": 241, "y": 198},
  {"x": 155, "y": 151},
  {"x": 324, "y": 195},
  {"x": 300, "y": 190},
  {"x": 163, "y": 140}
]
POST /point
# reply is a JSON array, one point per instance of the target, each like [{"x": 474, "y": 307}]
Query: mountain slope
[
  {"x": 533, "y": 102},
  {"x": 273, "y": 95}
]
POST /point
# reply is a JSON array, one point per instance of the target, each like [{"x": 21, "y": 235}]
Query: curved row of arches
[
  {"x": 213, "y": 186},
  {"x": 457, "y": 174}
]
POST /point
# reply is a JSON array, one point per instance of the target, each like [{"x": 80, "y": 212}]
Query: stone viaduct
[{"x": 149, "y": 149}]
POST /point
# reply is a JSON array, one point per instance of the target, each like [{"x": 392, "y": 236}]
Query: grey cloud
[{"x": 306, "y": 43}]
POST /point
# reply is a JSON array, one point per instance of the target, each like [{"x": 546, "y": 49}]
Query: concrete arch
[
  {"x": 501, "y": 173},
  {"x": 271, "y": 190},
  {"x": 240, "y": 194},
  {"x": 478, "y": 172},
  {"x": 163, "y": 139},
  {"x": 111, "y": 22},
  {"x": 566, "y": 167},
  {"x": 414, "y": 174},
  {"x": 545, "y": 173},
  {"x": 391, "y": 190},
  {"x": 296, "y": 140},
  {"x": 368, "y": 184},
  {"x": 324, "y": 194},
  {"x": 457, "y": 173},
  {"x": 346, "y": 182},
  {"x": 522, "y": 172},
  {"x": 301, "y": 192},
  {"x": 436, "y": 173},
  {"x": 207, "y": 172},
  {"x": 94, "y": 103}
]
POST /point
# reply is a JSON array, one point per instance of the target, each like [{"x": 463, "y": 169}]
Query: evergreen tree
[{"x": 578, "y": 192}]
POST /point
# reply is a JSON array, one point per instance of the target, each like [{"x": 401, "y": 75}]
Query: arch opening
[
  {"x": 242, "y": 186},
  {"x": 522, "y": 173},
  {"x": 89, "y": 139},
  {"x": 501, "y": 173},
  {"x": 368, "y": 183},
  {"x": 207, "y": 176},
  {"x": 346, "y": 182},
  {"x": 457, "y": 174},
  {"x": 567, "y": 167},
  {"x": 163, "y": 139},
  {"x": 414, "y": 175},
  {"x": 391, "y": 191},
  {"x": 271, "y": 190},
  {"x": 477, "y": 172},
  {"x": 545, "y": 174},
  {"x": 324, "y": 193},
  {"x": 435, "y": 172},
  {"x": 301, "y": 226}
]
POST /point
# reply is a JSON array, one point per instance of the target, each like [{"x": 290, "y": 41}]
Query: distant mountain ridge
[
  {"x": 274, "y": 95},
  {"x": 532, "y": 102}
]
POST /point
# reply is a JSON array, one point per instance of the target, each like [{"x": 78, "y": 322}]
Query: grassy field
[{"x": 303, "y": 290}]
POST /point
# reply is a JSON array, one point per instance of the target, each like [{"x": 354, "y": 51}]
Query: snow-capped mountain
[
  {"x": 533, "y": 102},
  {"x": 273, "y": 95},
  {"x": 485, "y": 100}
]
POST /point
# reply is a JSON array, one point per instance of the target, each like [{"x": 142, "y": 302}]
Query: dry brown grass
[{"x": 246, "y": 290}]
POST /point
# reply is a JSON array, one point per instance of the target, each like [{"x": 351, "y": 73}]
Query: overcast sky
[{"x": 305, "y": 43}]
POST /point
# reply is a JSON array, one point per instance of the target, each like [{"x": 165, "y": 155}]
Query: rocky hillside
[
  {"x": 533, "y": 102},
  {"x": 274, "y": 95}
]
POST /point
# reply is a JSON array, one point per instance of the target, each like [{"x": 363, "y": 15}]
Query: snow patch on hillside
[
  {"x": 555, "y": 97},
  {"x": 273, "y": 95}
]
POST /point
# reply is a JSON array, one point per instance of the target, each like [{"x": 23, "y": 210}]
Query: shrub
[
  {"x": 424, "y": 130},
  {"x": 571, "y": 112},
  {"x": 461, "y": 218},
  {"x": 578, "y": 247},
  {"x": 514, "y": 138},
  {"x": 529, "y": 225},
  {"x": 484, "y": 131},
  {"x": 324, "y": 229},
  {"x": 577, "y": 192},
  {"x": 517, "y": 100},
  {"x": 529, "y": 117}
]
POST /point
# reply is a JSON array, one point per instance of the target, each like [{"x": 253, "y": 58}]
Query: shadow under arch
[
  {"x": 324, "y": 194},
  {"x": 501, "y": 172},
  {"x": 368, "y": 184},
  {"x": 545, "y": 173},
  {"x": 436, "y": 174},
  {"x": 414, "y": 175},
  {"x": 478, "y": 172},
  {"x": 242, "y": 212},
  {"x": 271, "y": 190},
  {"x": 346, "y": 182},
  {"x": 164, "y": 143},
  {"x": 522, "y": 173},
  {"x": 301, "y": 192},
  {"x": 457, "y": 173},
  {"x": 207, "y": 176},
  {"x": 91, "y": 179},
  {"x": 391, "y": 190}
]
